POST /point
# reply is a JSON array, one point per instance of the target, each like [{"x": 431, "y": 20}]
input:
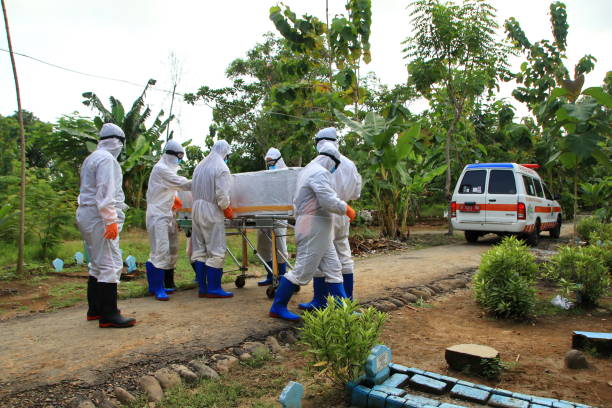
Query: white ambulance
[{"x": 504, "y": 198}]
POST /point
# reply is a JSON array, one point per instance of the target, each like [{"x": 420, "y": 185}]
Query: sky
[{"x": 132, "y": 40}]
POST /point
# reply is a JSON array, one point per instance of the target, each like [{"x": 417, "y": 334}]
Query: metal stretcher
[{"x": 239, "y": 226}]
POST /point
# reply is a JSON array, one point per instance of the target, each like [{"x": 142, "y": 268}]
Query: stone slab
[
  {"x": 427, "y": 384},
  {"x": 359, "y": 396},
  {"x": 547, "y": 402},
  {"x": 601, "y": 342},
  {"x": 537, "y": 406},
  {"x": 445, "y": 378},
  {"x": 562, "y": 404},
  {"x": 292, "y": 394},
  {"x": 499, "y": 391},
  {"x": 396, "y": 380},
  {"x": 376, "y": 399},
  {"x": 502, "y": 401},
  {"x": 447, "y": 405},
  {"x": 470, "y": 394},
  {"x": 398, "y": 392},
  {"x": 394, "y": 401},
  {"x": 524, "y": 397},
  {"x": 418, "y": 401}
]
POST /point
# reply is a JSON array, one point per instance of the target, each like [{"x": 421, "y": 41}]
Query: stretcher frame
[{"x": 240, "y": 225}]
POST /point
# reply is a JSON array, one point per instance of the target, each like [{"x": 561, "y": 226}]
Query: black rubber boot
[
  {"x": 111, "y": 317},
  {"x": 93, "y": 311},
  {"x": 169, "y": 281}
]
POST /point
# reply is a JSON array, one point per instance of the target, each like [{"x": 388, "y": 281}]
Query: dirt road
[{"x": 49, "y": 348}]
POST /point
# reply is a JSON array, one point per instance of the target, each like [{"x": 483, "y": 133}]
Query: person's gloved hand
[
  {"x": 111, "y": 231},
  {"x": 350, "y": 213},
  {"x": 229, "y": 212},
  {"x": 178, "y": 204}
]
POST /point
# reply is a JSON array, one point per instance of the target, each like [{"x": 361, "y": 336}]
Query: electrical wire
[{"x": 155, "y": 89}]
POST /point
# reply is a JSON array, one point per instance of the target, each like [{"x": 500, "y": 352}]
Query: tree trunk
[
  {"x": 575, "y": 202},
  {"x": 22, "y": 192},
  {"x": 447, "y": 184}
]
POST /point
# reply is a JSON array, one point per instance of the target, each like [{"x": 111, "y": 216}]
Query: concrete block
[
  {"x": 601, "y": 342},
  {"x": 502, "y": 401},
  {"x": 396, "y": 380},
  {"x": 427, "y": 384},
  {"x": 394, "y": 401},
  {"x": 418, "y": 401},
  {"x": 447, "y": 405},
  {"x": 520, "y": 396},
  {"x": 398, "y": 392},
  {"x": 376, "y": 399},
  {"x": 380, "y": 378},
  {"x": 537, "y": 406},
  {"x": 469, "y": 393},
  {"x": 291, "y": 396},
  {"x": 499, "y": 391},
  {"x": 562, "y": 404},
  {"x": 483, "y": 387},
  {"x": 398, "y": 368},
  {"x": 359, "y": 396},
  {"x": 470, "y": 357},
  {"x": 466, "y": 383},
  {"x": 547, "y": 402},
  {"x": 378, "y": 360}
]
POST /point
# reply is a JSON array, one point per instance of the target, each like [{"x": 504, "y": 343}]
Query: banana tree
[
  {"x": 143, "y": 145},
  {"x": 585, "y": 132},
  {"x": 389, "y": 140}
]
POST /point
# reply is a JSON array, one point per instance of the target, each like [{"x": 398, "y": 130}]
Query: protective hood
[
  {"x": 325, "y": 151},
  {"x": 222, "y": 148},
  {"x": 170, "y": 159},
  {"x": 327, "y": 134},
  {"x": 275, "y": 154},
  {"x": 113, "y": 146}
]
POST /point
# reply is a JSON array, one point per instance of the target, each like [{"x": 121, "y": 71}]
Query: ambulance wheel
[
  {"x": 270, "y": 291},
  {"x": 240, "y": 282},
  {"x": 556, "y": 232},
  {"x": 471, "y": 236},
  {"x": 533, "y": 238}
]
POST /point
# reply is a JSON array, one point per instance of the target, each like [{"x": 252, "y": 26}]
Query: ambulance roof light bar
[{"x": 531, "y": 166}]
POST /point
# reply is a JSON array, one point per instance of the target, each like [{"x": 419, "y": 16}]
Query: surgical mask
[{"x": 175, "y": 160}]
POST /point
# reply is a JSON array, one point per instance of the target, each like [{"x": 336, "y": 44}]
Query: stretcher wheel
[
  {"x": 240, "y": 282},
  {"x": 270, "y": 291}
]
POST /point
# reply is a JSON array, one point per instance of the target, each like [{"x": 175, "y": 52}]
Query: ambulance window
[
  {"x": 502, "y": 182},
  {"x": 473, "y": 182},
  {"x": 529, "y": 188},
  {"x": 547, "y": 192},
  {"x": 538, "y": 187}
]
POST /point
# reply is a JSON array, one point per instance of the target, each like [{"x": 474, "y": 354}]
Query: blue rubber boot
[
  {"x": 282, "y": 269},
  {"x": 213, "y": 275},
  {"x": 268, "y": 280},
  {"x": 200, "y": 272},
  {"x": 319, "y": 300},
  {"x": 156, "y": 282},
  {"x": 337, "y": 291},
  {"x": 281, "y": 300},
  {"x": 348, "y": 284},
  {"x": 150, "y": 272}
]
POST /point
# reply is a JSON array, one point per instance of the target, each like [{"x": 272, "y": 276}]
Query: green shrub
[
  {"x": 594, "y": 226},
  {"x": 135, "y": 218},
  {"x": 339, "y": 338},
  {"x": 581, "y": 271},
  {"x": 505, "y": 282}
]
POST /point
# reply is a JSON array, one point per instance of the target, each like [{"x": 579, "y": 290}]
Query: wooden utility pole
[{"x": 22, "y": 192}]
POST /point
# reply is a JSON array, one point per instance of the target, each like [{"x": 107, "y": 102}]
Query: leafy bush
[
  {"x": 505, "y": 282},
  {"x": 594, "y": 225},
  {"x": 339, "y": 338},
  {"x": 581, "y": 271},
  {"x": 135, "y": 218}
]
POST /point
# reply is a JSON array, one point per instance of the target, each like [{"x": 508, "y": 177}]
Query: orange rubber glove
[
  {"x": 178, "y": 204},
  {"x": 229, "y": 213},
  {"x": 350, "y": 213},
  {"x": 111, "y": 231}
]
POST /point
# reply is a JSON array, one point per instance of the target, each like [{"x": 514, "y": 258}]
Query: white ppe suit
[
  {"x": 346, "y": 182},
  {"x": 211, "y": 195},
  {"x": 161, "y": 223},
  {"x": 101, "y": 203},
  {"x": 315, "y": 201},
  {"x": 264, "y": 235}
]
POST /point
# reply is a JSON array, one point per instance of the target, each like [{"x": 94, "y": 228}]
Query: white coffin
[{"x": 264, "y": 192}]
